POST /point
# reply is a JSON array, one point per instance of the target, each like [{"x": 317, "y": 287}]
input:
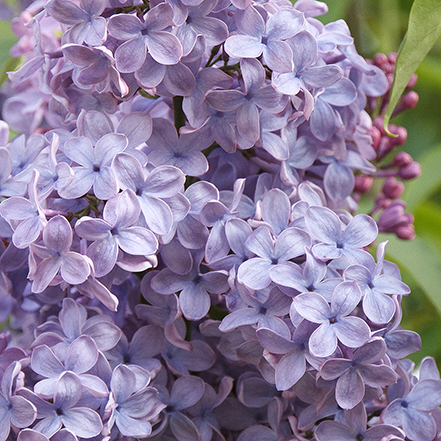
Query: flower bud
[
  {"x": 376, "y": 136},
  {"x": 412, "y": 82},
  {"x": 406, "y": 232},
  {"x": 412, "y": 171},
  {"x": 380, "y": 59},
  {"x": 394, "y": 219},
  {"x": 392, "y": 188},
  {"x": 363, "y": 183},
  {"x": 402, "y": 159},
  {"x": 410, "y": 100},
  {"x": 402, "y": 135}
]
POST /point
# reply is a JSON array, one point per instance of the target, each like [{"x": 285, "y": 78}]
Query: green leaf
[
  {"x": 423, "y": 31},
  {"x": 421, "y": 261},
  {"x": 420, "y": 189},
  {"x": 10, "y": 65}
]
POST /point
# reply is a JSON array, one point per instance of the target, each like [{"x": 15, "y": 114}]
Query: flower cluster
[{"x": 180, "y": 247}]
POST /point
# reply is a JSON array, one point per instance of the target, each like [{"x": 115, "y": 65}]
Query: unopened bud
[
  {"x": 378, "y": 122},
  {"x": 392, "y": 188},
  {"x": 402, "y": 135},
  {"x": 363, "y": 183},
  {"x": 406, "y": 232},
  {"x": 380, "y": 59},
  {"x": 412, "y": 82},
  {"x": 412, "y": 171},
  {"x": 376, "y": 136},
  {"x": 395, "y": 220},
  {"x": 392, "y": 57},
  {"x": 410, "y": 100},
  {"x": 402, "y": 159}
]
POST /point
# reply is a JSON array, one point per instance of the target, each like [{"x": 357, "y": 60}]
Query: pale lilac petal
[
  {"x": 132, "y": 427},
  {"x": 361, "y": 231},
  {"x": 225, "y": 100},
  {"x": 82, "y": 421},
  {"x": 323, "y": 341},
  {"x": 254, "y": 273},
  {"x": 278, "y": 56},
  {"x": 194, "y": 302},
  {"x": 57, "y": 234},
  {"x": 81, "y": 355},
  {"x": 164, "y": 181},
  {"x": 291, "y": 243},
  {"x": 352, "y": 331},
  {"x": 290, "y": 369},
  {"x": 323, "y": 224},
  {"x": 164, "y": 47},
  {"x": 350, "y": 389},
  {"x": 130, "y": 55},
  {"x": 241, "y": 317},
  {"x": 378, "y": 307},
  {"x": 137, "y": 240},
  {"x": 157, "y": 213},
  {"x": 74, "y": 268},
  {"x": 179, "y": 80},
  {"x": 45, "y": 363},
  {"x": 313, "y": 307},
  {"x": 250, "y": 22},
  {"x": 104, "y": 254},
  {"x": 46, "y": 272}
]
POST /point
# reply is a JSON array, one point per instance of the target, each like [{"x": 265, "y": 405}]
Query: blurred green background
[{"x": 379, "y": 26}]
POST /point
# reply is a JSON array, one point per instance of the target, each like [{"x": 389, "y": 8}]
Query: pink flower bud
[
  {"x": 412, "y": 82},
  {"x": 380, "y": 59},
  {"x": 363, "y": 183},
  {"x": 402, "y": 159},
  {"x": 406, "y": 232},
  {"x": 392, "y": 188},
  {"x": 392, "y": 57},
  {"x": 410, "y": 100},
  {"x": 402, "y": 135},
  {"x": 412, "y": 171},
  {"x": 376, "y": 136}
]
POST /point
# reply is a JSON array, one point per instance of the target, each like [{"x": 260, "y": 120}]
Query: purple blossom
[
  {"x": 141, "y": 36},
  {"x": 335, "y": 322},
  {"x": 85, "y": 23},
  {"x": 258, "y": 37},
  {"x": 57, "y": 257},
  {"x": 93, "y": 170}
]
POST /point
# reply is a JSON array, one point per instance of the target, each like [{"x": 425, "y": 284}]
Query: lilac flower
[
  {"x": 186, "y": 392},
  {"x": 8, "y": 185},
  {"x": 116, "y": 231},
  {"x": 131, "y": 409},
  {"x": 265, "y": 314},
  {"x": 412, "y": 412},
  {"x": 93, "y": 168},
  {"x": 96, "y": 66},
  {"x": 29, "y": 213},
  {"x": 82, "y": 421},
  {"x": 14, "y": 409},
  {"x": 33, "y": 435},
  {"x": 374, "y": 285},
  {"x": 72, "y": 323},
  {"x": 268, "y": 39},
  {"x": 215, "y": 31},
  {"x": 256, "y": 94},
  {"x": 353, "y": 374},
  {"x": 183, "y": 152},
  {"x": 293, "y": 353},
  {"x": 255, "y": 272},
  {"x": 146, "y": 343},
  {"x": 194, "y": 299},
  {"x": 56, "y": 256},
  {"x": 355, "y": 428},
  {"x": 140, "y": 36},
  {"x": 162, "y": 182},
  {"x": 335, "y": 321},
  {"x": 336, "y": 240},
  {"x": 81, "y": 356},
  {"x": 305, "y": 73},
  {"x": 86, "y": 23},
  {"x": 312, "y": 278}
]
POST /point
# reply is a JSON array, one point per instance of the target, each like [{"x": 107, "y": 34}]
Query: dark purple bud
[
  {"x": 393, "y": 218},
  {"x": 376, "y": 136},
  {"x": 406, "y": 232},
  {"x": 392, "y": 188},
  {"x": 402, "y": 135},
  {"x": 412, "y": 82},
  {"x": 392, "y": 57},
  {"x": 380, "y": 60},
  {"x": 402, "y": 159},
  {"x": 410, "y": 100},
  {"x": 412, "y": 171},
  {"x": 363, "y": 183}
]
